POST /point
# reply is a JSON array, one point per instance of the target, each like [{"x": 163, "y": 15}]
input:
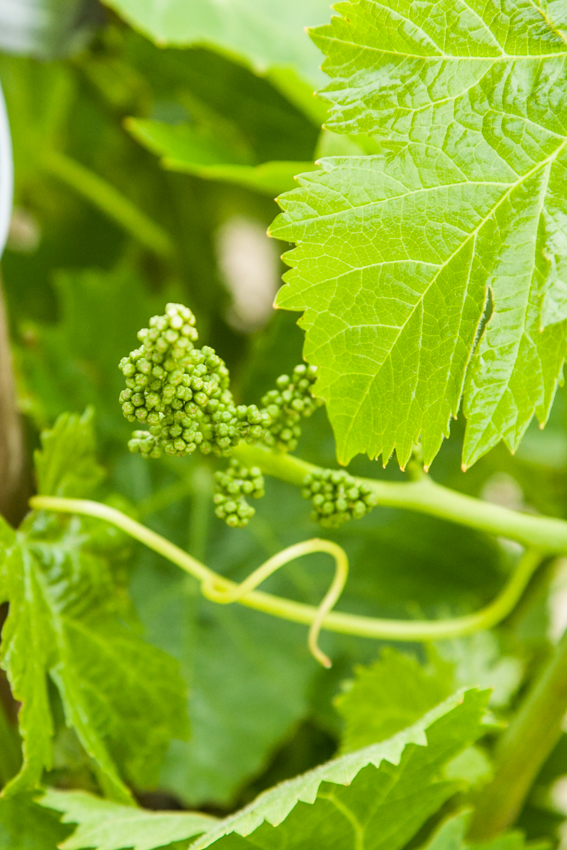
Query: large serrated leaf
[
  {"x": 357, "y": 799},
  {"x": 400, "y": 253}
]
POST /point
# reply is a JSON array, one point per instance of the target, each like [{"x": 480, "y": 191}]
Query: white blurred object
[
  {"x": 502, "y": 489},
  {"x": 249, "y": 264},
  {"x": 6, "y": 174},
  {"x": 24, "y": 234}
]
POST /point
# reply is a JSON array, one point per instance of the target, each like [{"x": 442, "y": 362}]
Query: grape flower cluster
[
  {"x": 337, "y": 497},
  {"x": 287, "y": 404},
  {"x": 231, "y": 488},
  {"x": 182, "y": 393}
]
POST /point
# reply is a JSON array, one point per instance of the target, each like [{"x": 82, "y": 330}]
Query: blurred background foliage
[{"x": 147, "y": 156}]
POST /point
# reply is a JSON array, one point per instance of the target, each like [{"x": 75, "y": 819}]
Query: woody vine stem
[{"x": 541, "y": 537}]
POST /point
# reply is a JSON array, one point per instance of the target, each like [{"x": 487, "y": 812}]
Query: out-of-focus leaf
[
  {"x": 46, "y": 28},
  {"x": 451, "y": 835},
  {"x": 388, "y": 696},
  {"x": 110, "y": 826},
  {"x": 185, "y": 148},
  {"x": 264, "y": 33},
  {"x": 24, "y": 825},
  {"x": 124, "y": 698},
  {"x": 477, "y": 660},
  {"x": 249, "y": 679}
]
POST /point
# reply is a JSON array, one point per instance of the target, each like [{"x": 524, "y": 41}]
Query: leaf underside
[{"x": 436, "y": 270}]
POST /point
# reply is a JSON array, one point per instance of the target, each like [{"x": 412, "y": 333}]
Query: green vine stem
[
  {"x": 322, "y": 617},
  {"x": 210, "y": 590},
  {"x": 523, "y": 748},
  {"x": 425, "y": 496}
]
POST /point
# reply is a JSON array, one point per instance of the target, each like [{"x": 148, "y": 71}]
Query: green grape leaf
[
  {"x": 182, "y": 147},
  {"x": 110, "y": 826},
  {"x": 232, "y": 736},
  {"x": 461, "y": 213},
  {"x": 377, "y": 797},
  {"x": 66, "y": 465},
  {"x": 357, "y": 798},
  {"x": 65, "y": 623},
  {"x": 389, "y": 695},
  {"x": 396, "y": 690},
  {"x": 263, "y": 33},
  {"x": 451, "y": 835},
  {"x": 24, "y": 825}
]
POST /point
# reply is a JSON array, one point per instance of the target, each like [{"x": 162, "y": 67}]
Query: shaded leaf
[
  {"x": 24, "y": 825},
  {"x": 185, "y": 148}
]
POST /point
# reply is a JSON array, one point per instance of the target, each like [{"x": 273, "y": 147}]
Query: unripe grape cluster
[
  {"x": 287, "y": 404},
  {"x": 337, "y": 497},
  {"x": 182, "y": 393},
  {"x": 231, "y": 488}
]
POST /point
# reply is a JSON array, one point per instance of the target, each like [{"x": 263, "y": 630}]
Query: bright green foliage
[
  {"x": 64, "y": 623},
  {"x": 182, "y": 392},
  {"x": 337, "y": 497},
  {"x": 231, "y": 488},
  {"x": 462, "y": 210},
  {"x": 110, "y": 826},
  {"x": 369, "y": 796},
  {"x": 287, "y": 404},
  {"x": 265, "y": 34},
  {"x": 184, "y": 148},
  {"x": 388, "y": 696}
]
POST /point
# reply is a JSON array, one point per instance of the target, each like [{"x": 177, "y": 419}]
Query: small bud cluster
[
  {"x": 231, "y": 488},
  {"x": 287, "y": 404},
  {"x": 182, "y": 393},
  {"x": 337, "y": 497}
]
